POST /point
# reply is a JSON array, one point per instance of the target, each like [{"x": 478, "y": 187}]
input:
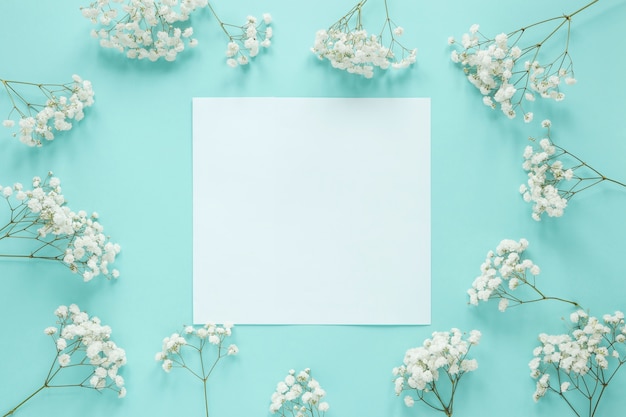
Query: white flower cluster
[
  {"x": 544, "y": 175},
  {"x": 171, "y": 353},
  {"x": 503, "y": 265},
  {"x": 357, "y": 52},
  {"x": 299, "y": 395},
  {"x": 55, "y": 115},
  {"x": 254, "y": 36},
  {"x": 348, "y": 46},
  {"x": 580, "y": 359},
  {"x": 79, "y": 334},
  {"x": 74, "y": 238},
  {"x": 493, "y": 67},
  {"x": 445, "y": 352},
  {"x": 144, "y": 29}
]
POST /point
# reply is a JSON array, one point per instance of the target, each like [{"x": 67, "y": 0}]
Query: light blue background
[{"x": 130, "y": 160}]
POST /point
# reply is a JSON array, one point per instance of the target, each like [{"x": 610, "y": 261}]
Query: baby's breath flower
[
  {"x": 143, "y": 29},
  {"x": 578, "y": 364},
  {"x": 245, "y": 41},
  {"x": 503, "y": 272},
  {"x": 348, "y": 46},
  {"x": 84, "y": 344},
  {"x": 510, "y": 73},
  {"x": 444, "y": 354},
  {"x": 546, "y": 187},
  {"x": 299, "y": 392},
  {"x": 193, "y": 340},
  {"x": 59, "y": 106},
  {"x": 57, "y": 233}
]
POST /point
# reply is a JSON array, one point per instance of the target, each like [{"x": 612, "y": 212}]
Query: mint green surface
[{"x": 130, "y": 160}]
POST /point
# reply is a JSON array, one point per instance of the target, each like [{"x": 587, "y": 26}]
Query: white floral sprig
[
  {"x": 191, "y": 349},
  {"x": 508, "y": 73},
  {"x": 299, "y": 395},
  {"x": 247, "y": 40},
  {"x": 154, "y": 29},
  {"x": 144, "y": 29},
  {"x": 56, "y": 107},
  {"x": 503, "y": 272},
  {"x": 53, "y": 231},
  {"x": 546, "y": 187},
  {"x": 582, "y": 362},
  {"x": 433, "y": 371},
  {"x": 348, "y": 46},
  {"x": 82, "y": 344}
]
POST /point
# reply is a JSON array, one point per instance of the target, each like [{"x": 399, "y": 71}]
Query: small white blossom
[
  {"x": 181, "y": 349},
  {"x": 64, "y": 104},
  {"x": 144, "y": 29},
  {"x": 73, "y": 238},
  {"x": 349, "y": 47},
  {"x": 423, "y": 366},
  {"x": 302, "y": 393},
  {"x": 232, "y": 350},
  {"x": 247, "y": 40},
  {"x": 496, "y": 68},
  {"x": 79, "y": 335},
  {"x": 502, "y": 272},
  {"x": 580, "y": 355},
  {"x": 546, "y": 187}
]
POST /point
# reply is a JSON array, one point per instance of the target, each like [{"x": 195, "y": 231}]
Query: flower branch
[
  {"x": 41, "y": 226},
  {"x": 248, "y": 38},
  {"x": 299, "y": 396},
  {"x": 446, "y": 353},
  {"x": 503, "y": 272},
  {"x": 550, "y": 183},
  {"x": 347, "y": 45},
  {"x": 155, "y": 29},
  {"x": 198, "y": 342},
  {"x": 508, "y": 73},
  {"x": 581, "y": 363},
  {"x": 143, "y": 29},
  {"x": 53, "y": 111},
  {"x": 82, "y": 342}
]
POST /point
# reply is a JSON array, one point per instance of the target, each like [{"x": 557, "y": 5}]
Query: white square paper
[{"x": 311, "y": 210}]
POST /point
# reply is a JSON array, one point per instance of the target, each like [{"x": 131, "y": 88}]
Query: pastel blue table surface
[{"x": 130, "y": 160}]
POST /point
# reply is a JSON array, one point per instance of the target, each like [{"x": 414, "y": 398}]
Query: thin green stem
[
  {"x": 206, "y": 397},
  {"x": 571, "y": 406},
  {"x": 581, "y": 9},
  {"x": 604, "y": 386},
  {"x": 46, "y": 384},
  {"x": 545, "y": 297},
  {"x": 204, "y": 377},
  {"x": 222, "y": 24},
  {"x": 14, "y": 409}
]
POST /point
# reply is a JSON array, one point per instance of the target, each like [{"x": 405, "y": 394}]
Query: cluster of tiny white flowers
[
  {"x": 503, "y": 265},
  {"x": 299, "y": 395},
  {"x": 357, "y": 52},
  {"x": 144, "y": 29},
  {"x": 493, "y": 66},
  {"x": 77, "y": 334},
  {"x": 348, "y": 46},
  {"x": 254, "y": 36},
  {"x": 56, "y": 115},
  {"x": 171, "y": 352},
  {"x": 445, "y": 352},
  {"x": 579, "y": 357},
  {"x": 544, "y": 175},
  {"x": 78, "y": 238}
]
